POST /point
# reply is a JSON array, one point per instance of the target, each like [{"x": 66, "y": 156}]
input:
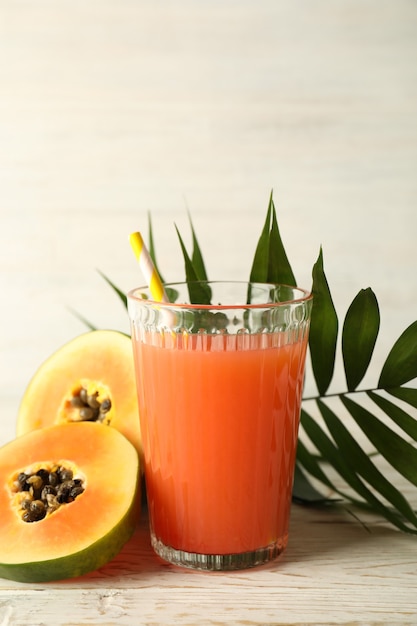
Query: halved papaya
[
  {"x": 91, "y": 378},
  {"x": 68, "y": 501}
]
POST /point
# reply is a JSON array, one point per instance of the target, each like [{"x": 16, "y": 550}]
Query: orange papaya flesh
[
  {"x": 97, "y": 365},
  {"x": 83, "y": 534}
]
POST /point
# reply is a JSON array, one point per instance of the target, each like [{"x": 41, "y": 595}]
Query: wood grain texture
[
  {"x": 334, "y": 571},
  {"x": 111, "y": 109}
]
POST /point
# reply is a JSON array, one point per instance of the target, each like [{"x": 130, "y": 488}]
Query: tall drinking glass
[{"x": 219, "y": 391}]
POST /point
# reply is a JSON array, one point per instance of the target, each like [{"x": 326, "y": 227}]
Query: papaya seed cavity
[
  {"x": 39, "y": 491},
  {"x": 87, "y": 401}
]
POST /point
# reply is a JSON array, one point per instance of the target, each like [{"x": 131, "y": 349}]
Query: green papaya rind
[{"x": 79, "y": 563}]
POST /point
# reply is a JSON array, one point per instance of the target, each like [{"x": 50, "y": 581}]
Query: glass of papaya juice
[{"x": 220, "y": 372}]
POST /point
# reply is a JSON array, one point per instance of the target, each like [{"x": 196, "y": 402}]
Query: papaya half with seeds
[
  {"x": 91, "y": 378},
  {"x": 69, "y": 501}
]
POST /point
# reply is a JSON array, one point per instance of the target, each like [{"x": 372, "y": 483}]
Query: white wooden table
[{"x": 115, "y": 108}]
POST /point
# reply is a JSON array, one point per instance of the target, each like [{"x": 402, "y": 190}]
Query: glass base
[{"x": 218, "y": 562}]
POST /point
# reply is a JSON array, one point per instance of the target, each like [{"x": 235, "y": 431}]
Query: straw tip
[
  {"x": 135, "y": 236},
  {"x": 136, "y": 243}
]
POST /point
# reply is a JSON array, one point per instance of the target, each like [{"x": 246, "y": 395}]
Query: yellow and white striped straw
[{"x": 148, "y": 269}]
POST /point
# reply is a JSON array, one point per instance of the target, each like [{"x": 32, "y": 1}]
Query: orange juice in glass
[{"x": 219, "y": 391}]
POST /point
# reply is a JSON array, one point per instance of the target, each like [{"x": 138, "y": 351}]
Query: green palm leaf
[
  {"x": 279, "y": 268},
  {"x": 360, "y": 331},
  {"x": 405, "y": 421},
  {"x": 347, "y": 468},
  {"x": 83, "y": 319},
  {"x": 394, "y": 448},
  {"x": 199, "y": 292},
  {"x": 304, "y": 492},
  {"x": 323, "y": 329},
  {"x": 313, "y": 467},
  {"x": 331, "y": 454},
  {"x": 259, "y": 271},
  {"x": 362, "y": 463},
  {"x": 401, "y": 364},
  {"x": 197, "y": 257},
  {"x": 270, "y": 263},
  {"x": 118, "y": 291},
  {"x": 407, "y": 394}
]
